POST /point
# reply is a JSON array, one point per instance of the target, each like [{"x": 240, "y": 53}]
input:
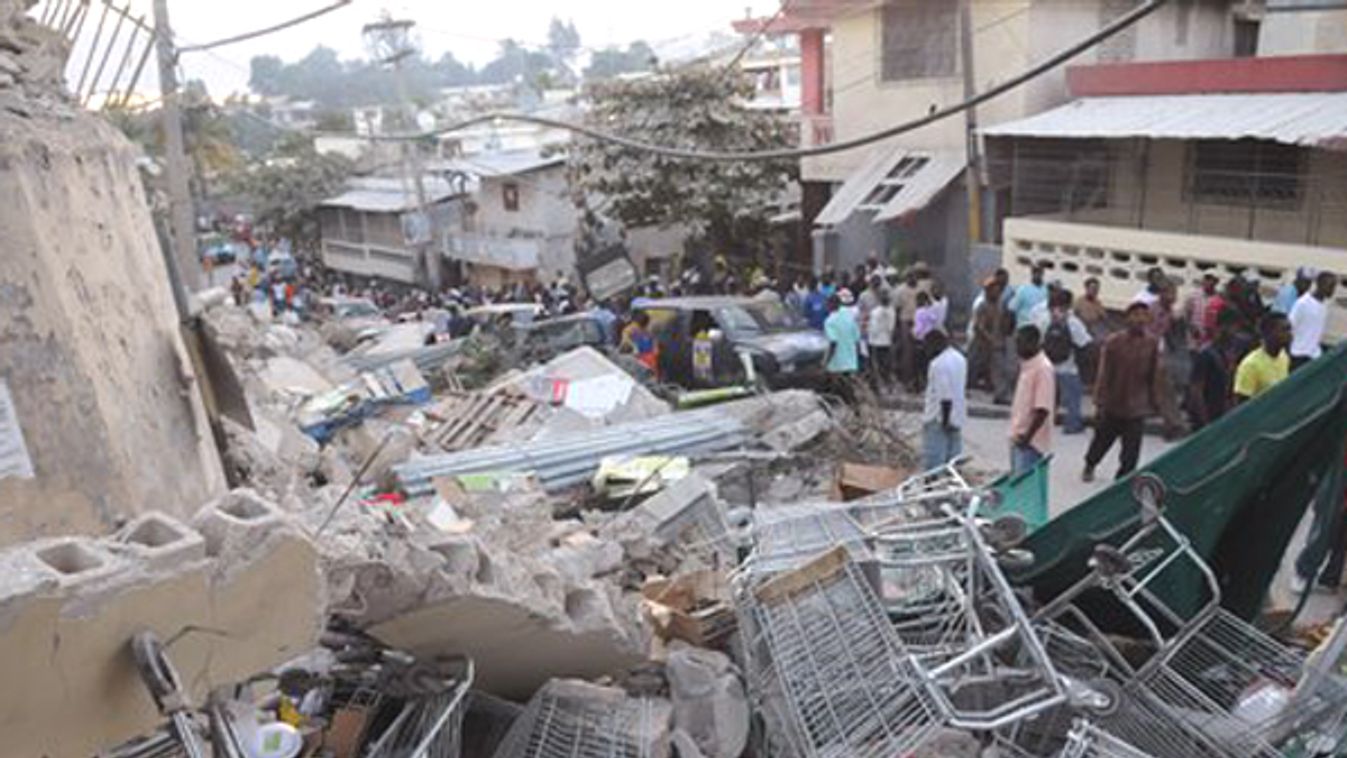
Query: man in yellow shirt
[{"x": 1269, "y": 363}]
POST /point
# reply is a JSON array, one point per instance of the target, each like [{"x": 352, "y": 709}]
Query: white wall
[
  {"x": 1303, "y": 32},
  {"x": 545, "y": 213}
]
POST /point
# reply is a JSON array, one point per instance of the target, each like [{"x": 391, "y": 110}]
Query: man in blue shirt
[
  {"x": 844, "y": 344},
  {"x": 816, "y": 305},
  {"x": 1029, "y": 297},
  {"x": 1289, "y": 293}
]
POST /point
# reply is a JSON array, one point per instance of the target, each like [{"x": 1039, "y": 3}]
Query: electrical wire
[
  {"x": 757, "y": 36},
  {"x": 1033, "y": 72},
  {"x": 266, "y": 30}
]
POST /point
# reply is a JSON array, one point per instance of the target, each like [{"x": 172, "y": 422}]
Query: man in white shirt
[
  {"x": 946, "y": 409},
  {"x": 879, "y": 334},
  {"x": 1309, "y": 316}
]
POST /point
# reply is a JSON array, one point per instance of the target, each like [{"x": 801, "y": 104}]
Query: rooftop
[{"x": 379, "y": 194}]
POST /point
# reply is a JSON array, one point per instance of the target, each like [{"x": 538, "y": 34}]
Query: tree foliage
[
  {"x": 284, "y": 192},
  {"x": 613, "y": 61},
  {"x": 727, "y": 204}
]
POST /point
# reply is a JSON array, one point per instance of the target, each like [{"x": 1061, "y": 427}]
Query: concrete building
[
  {"x": 519, "y": 222},
  {"x": 1233, "y": 167},
  {"x": 887, "y": 63},
  {"x": 372, "y": 229},
  {"x": 1300, "y": 27}
]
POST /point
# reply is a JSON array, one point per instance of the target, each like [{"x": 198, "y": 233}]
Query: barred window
[
  {"x": 1245, "y": 172},
  {"x": 920, "y": 39}
]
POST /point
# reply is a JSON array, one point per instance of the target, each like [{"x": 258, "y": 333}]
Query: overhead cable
[
  {"x": 265, "y": 31},
  {"x": 1111, "y": 29}
]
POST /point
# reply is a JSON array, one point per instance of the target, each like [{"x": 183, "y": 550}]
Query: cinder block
[
  {"x": 77, "y": 563},
  {"x": 240, "y": 519},
  {"x": 161, "y": 541}
]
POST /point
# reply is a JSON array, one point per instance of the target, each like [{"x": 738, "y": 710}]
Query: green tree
[
  {"x": 726, "y": 204},
  {"x": 613, "y": 61},
  {"x": 563, "y": 40},
  {"x": 284, "y": 192}
]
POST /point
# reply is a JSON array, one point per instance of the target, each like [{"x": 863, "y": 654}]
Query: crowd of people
[{"x": 1037, "y": 347}]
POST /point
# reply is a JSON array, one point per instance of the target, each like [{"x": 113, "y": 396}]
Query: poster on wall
[{"x": 14, "y": 459}]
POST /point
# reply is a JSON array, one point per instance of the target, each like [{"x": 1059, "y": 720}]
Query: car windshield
[
  {"x": 755, "y": 318},
  {"x": 356, "y": 310}
]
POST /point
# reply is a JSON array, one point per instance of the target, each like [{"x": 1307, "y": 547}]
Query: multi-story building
[
  {"x": 886, "y": 63},
  {"x": 1233, "y": 167},
  {"x": 375, "y": 229}
]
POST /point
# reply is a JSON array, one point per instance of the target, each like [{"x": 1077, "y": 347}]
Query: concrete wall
[
  {"x": 1303, "y": 32},
  {"x": 1156, "y": 200},
  {"x": 1010, "y": 36},
  {"x": 89, "y": 341},
  {"x": 545, "y": 213}
]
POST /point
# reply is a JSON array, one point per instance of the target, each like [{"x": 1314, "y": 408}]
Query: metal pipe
[
  {"x": 140, "y": 69},
  {"x": 93, "y": 48},
  {"x": 121, "y": 67},
  {"x": 107, "y": 53}
]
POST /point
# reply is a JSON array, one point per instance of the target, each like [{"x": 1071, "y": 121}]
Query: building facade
[
  {"x": 375, "y": 229},
  {"x": 888, "y": 63},
  {"x": 1236, "y": 167}
]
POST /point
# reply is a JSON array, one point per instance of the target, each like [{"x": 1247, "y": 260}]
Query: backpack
[{"x": 1057, "y": 342}]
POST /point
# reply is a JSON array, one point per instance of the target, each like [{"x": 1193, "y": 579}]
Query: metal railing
[{"x": 112, "y": 47}]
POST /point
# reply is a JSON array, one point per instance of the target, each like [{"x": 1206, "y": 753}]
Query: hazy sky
[{"x": 469, "y": 29}]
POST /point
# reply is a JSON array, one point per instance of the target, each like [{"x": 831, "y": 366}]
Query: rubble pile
[
  {"x": 32, "y": 61},
  {"x": 553, "y": 560}
]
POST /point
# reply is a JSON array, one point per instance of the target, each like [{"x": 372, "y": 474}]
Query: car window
[
  {"x": 737, "y": 320},
  {"x": 356, "y": 310}
]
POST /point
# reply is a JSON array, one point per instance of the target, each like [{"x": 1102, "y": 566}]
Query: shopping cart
[
  {"x": 827, "y": 665},
  {"x": 1210, "y": 683},
  {"x": 1089, "y": 741},
  {"x": 558, "y": 725},
  {"x": 429, "y": 725}
]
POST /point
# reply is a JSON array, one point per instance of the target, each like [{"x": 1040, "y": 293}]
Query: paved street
[{"x": 985, "y": 440}]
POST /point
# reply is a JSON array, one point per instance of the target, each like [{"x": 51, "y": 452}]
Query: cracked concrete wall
[
  {"x": 89, "y": 345},
  {"x": 70, "y": 606}
]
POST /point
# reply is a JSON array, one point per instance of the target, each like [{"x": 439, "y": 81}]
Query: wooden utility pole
[
  {"x": 182, "y": 213},
  {"x": 391, "y": 42},
  {"x": 973, "y": 174}
]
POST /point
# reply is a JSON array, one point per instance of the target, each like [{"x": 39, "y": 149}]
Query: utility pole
[
  {"x": 182, "y": 213},
  {"x": 973, "y": 174},
  {"x": 390, "y": 41}
]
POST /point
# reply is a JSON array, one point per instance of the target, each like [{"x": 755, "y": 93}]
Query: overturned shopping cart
[{"x": 567, "y": 719}]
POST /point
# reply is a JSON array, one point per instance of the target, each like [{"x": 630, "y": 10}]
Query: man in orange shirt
[{"x": 1035, "y": 401}]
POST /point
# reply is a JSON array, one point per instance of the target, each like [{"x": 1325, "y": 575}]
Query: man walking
[
  {"x": 1309, "y": 316},
  {"x": 1266, "y": 365},
  {"x": 1212, "y": 372},
  {"x": 1028, "y": 297},
  {"x": 946, "y": 405},
  {"x": 1033, "y": 405},
  {"x": 1065, "y": 338},
  {"x": 1126, "y": 392}
]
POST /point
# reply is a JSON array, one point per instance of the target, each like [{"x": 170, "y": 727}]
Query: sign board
[{"x": 616, "y": 276}]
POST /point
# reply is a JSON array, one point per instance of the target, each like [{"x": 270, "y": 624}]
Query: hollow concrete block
[{"x": 160, "y": 541}]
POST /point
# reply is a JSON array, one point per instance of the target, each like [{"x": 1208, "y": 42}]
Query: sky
[{"x": 469, "y": 29}]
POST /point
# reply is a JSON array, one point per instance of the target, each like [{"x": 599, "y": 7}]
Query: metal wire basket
[
  {"x": 557, "y": 725},
  {"x": 826, "y": 660},
  {"x": 1089, "y": 741},
  {"x": 429, "y": 726}
]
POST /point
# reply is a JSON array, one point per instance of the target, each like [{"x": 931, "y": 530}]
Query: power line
[
  {"x": 1033, "y": 72},
  {"x": 757, "y": 35},
  {"x": 266, "y": 30}
]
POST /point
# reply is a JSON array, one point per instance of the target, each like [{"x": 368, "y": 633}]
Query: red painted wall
[{"x": 1292, "y": 73}]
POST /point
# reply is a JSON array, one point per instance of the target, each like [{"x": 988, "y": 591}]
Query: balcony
[{"x": 510, "y": 253}]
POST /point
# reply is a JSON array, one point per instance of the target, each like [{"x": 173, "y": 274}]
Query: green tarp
[{"x": 1237, "y": 489}]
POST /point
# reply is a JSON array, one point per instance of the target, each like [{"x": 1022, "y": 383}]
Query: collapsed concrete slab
[
  {"x": 70, "y": 606},
  {"x": 515, "y": 649},
  {"x": 709, "y": 701}
]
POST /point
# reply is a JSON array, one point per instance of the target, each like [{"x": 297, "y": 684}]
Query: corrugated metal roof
[
  {"x": 567, "y": 460},
  {"x": 378, "y": 194},
  {"x": 1311, "y": 119},
  {"x": 501, "y": 164},
  {"x": 901, "y": 182}
]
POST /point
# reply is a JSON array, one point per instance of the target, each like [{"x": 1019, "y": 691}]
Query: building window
[
  {"x": 920, "y": 40},
  {"x": 1244, "y": 172},
  {"x": 510, "y": 196},
  {"x": 1246, "y": 38}
]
